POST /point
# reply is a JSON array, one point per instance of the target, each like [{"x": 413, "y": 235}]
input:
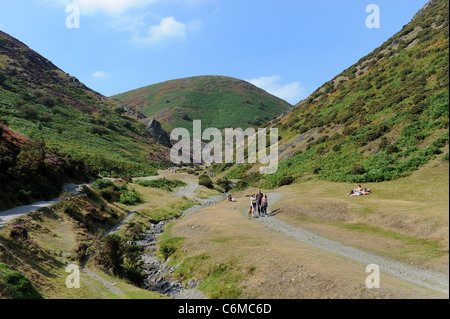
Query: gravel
[{"x": 11, "y": 214}]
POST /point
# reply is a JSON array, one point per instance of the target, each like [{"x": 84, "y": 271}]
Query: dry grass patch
[
  {"x": 406, "y": 219},
  {"x": 238, "y": 258}
]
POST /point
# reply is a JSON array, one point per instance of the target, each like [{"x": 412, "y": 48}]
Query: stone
[{"x": 155, "y": 130}]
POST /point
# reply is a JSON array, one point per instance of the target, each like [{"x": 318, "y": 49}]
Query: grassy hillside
[
  {"x": 36, "y": 248},
  {"x": 41, "y": 101},
  {"x": 380, "y": 119},
  {"x": 31, "y": 171},
  {"x": 220, "y": 102}
]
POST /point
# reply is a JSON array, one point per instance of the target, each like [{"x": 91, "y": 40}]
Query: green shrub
[
  {"x": 204, "y": 180},
  {"x": 15, "y": 285},
  {"x": 162, "y": 183},
  {"x": 2, "y": 78},
  {"x": 110, "y": 194},
  {"x": 99, "y": 130},
  {"x": 102, "y": 184},
  {"x": 241, "y": 185},
  {"x": 286, "y": 180},
  {"x": 130, "y": 197},
  {"x": 168, "y": 247},
  {"x": 358, "y": 169},
  {"x": 224, "y": 183},
  {"x": 70, "y": 208}
]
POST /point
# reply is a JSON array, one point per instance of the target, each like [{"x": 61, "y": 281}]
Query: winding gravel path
[
  {"x": 10, "y": 214},
  {"x": 433, "y": 280}
]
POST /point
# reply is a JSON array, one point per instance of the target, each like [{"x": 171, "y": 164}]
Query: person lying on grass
[{"x": 360, "y": 191}]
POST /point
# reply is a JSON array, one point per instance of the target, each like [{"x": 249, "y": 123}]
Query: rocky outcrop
[
  {"x": 155, "y": 130},
  {"x": 424, "y": 9}
]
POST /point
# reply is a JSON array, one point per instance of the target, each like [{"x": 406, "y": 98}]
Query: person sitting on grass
[
  {"x": 360, "y": 191},
  {"x": 230, "y": 198}
]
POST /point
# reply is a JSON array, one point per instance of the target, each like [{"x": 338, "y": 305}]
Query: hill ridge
[{"x": 219, "y": 101}]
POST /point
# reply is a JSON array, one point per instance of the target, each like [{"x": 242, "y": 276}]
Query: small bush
[
  {"x": 286, "y": 180},
  {"x": 130, "y": 197},
  {"x": 110, "y": 194},
  {"x": 18, "y": 232},
  {"x": 161, "y": 183},
  {"x": 2, "y": 78},
  {"x": 99, "y": 130},
  {"x": 15, "y": 285},
  {"x": 204, "y": 180},
  {"x": 29, "y": 112},
  {"x": 224, "y": 183},
  {"x": 241, "y": 185},
  {"x": 358, "y": 169},
  {"x": 102, "y": 184},
  {"x": 168, "y": 247}
]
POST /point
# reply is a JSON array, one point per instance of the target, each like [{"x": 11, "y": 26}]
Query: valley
[{"x": 91, "y": 182}]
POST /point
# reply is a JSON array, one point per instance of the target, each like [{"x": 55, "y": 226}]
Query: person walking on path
[
  {"x": 264, "y": 205},
  {"x": 259, "y": 198},
  {"x": 253, "y": 204}
]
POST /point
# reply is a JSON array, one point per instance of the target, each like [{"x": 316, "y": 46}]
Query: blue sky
[{"x": 287, "y": 47}]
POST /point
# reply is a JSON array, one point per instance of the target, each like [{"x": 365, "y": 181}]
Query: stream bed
[{"x": 159, "y": 274}]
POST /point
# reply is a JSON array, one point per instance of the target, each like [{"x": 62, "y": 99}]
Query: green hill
[
  {"x": 220, "y": 102},
  {"x": 42, "y": 102},
  {"x": 380, "y": 119}
]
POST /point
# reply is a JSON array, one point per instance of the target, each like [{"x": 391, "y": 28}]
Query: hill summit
[{"x": 218, "y": 101}]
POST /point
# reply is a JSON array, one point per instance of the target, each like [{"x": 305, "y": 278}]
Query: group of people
[
  {"x": 359, "y": 191},
  {"x": 258, "y": 202}
]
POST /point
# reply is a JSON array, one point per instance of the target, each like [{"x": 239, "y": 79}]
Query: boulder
[{"x": 155, "y": 130}]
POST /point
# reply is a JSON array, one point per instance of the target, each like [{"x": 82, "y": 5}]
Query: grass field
[{"x": 406, "y": 220}]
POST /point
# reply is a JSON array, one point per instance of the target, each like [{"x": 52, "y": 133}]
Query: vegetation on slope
[
  {"x": 42, "y": 243},
  {"x": 31, "y": 171},
  {"x": 42, "y": 102},
  {"x": 218, "y": 101},
  {"x": 380, "y": 119}
]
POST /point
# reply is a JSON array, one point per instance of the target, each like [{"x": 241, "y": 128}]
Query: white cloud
[
  {"x": 120, "y": 17},
  {"x": 291, "y": 93},
  {"x": 109, "y": 6},
  {"x": 167, "y": 30},
  {"x": 101, "y": 75},
  {"x": 120, "y": 6}
]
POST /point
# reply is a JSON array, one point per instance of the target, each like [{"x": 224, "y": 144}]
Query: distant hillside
[
  {"x": 220, "y": 102},
  {"x": 31, "y": 171},
  {"x": 378, "y": 120},
  {"x": 40, "y": 101}
]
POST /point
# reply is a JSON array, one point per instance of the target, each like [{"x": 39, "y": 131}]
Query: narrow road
[
  {"x": 426, "y": 278},
  {"x": 10, "y": 214}
]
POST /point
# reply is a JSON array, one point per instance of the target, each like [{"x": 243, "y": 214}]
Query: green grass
[
  {"x": 73, "y": 118},
  {"x": 165, "y": 184},
  {"x": 16, "y": 285},
  {"x": 433, "y": 249},
  {"x": 218, "y": 281},
  {"x": 171, "y": 211}
]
